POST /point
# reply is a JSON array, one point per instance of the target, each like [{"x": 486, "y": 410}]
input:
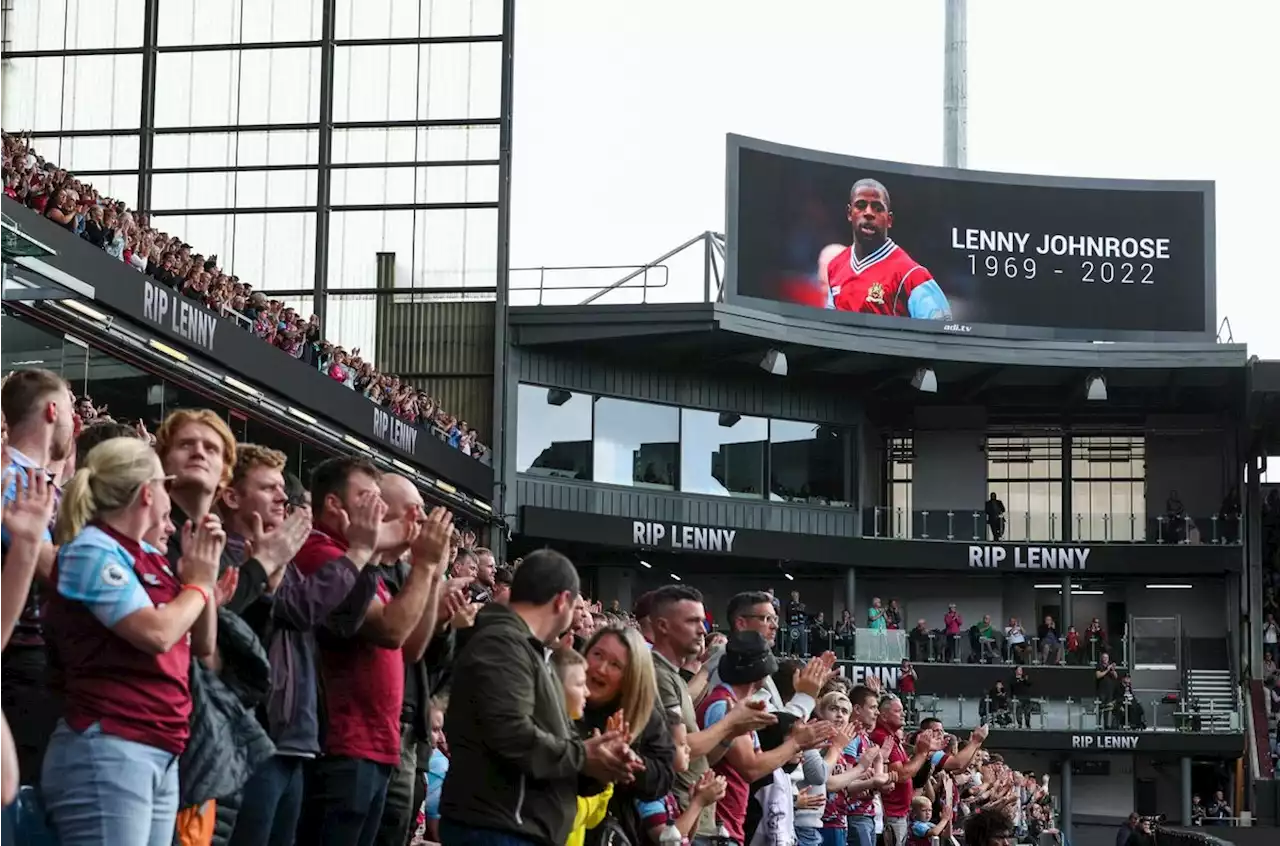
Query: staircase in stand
[{"x": 1214, "y": 691}]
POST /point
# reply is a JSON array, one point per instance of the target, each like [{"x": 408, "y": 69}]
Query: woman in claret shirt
[{"x": 122, "y": 627}]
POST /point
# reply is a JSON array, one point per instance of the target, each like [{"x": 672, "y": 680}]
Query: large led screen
[{"x": 872, "y": 242}]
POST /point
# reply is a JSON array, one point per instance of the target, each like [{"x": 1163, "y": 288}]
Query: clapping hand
[
  {"x": 811, "y": 735},
  {"x": 225, "y": 590},
  {"x": 276, "y": 548},
  {"x": 617, "y": 723},
  {"x": 202, "y": 545},
  {"x": 361, "y": 524},
  {"x": 809, "y": 801},
  {"x": 430, "y": 547},
  {"x": 710, "y": 788}
]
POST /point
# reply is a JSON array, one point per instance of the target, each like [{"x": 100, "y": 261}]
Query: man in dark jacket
[
  {"x": 285, "y": 618},
  {"x": 516, "y": 761}
]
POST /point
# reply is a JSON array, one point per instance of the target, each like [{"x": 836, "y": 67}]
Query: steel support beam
[
  {"x": 324, "y": 160},
  {"x": 147, "y": 112},
  {"x": 503, "y": 446}
]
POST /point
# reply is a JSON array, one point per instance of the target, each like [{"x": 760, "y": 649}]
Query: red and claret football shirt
[
  {"x": 103, "y": 577},
  {"x": 887, "y": 282},
  {"x": 363, "y": 682},
  {"x": 898, "y": 802}
]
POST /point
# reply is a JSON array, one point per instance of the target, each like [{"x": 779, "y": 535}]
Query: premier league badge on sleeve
[{"x": 114, "y": 575}]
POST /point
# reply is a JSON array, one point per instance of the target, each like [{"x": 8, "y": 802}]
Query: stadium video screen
[{"x": 879, "y": 243}]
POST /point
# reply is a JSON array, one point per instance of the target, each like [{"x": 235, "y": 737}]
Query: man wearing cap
[
  {"x": 755, "y": 611},
  {"x": 675, "y": 622},
  {"x": 744, "y": 668}
]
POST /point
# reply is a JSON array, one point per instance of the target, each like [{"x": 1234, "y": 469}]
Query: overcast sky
[{"x": 621, "y": 111}]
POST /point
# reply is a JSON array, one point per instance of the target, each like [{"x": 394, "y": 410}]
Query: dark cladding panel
[
  {"x": 648, "y": 505},
  {"x": 759, "y": 398}
]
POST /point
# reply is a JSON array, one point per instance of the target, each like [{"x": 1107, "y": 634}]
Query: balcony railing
[{"x": 883, "y": 521}]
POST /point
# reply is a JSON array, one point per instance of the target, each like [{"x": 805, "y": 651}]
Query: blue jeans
[
  {"x": 99, "y": 789},
  {"x": 837, "y": 836},
  {"x": 344, "y": 802},
  {"x": 806, "y": 836},
  {"x": 862, "y": 831},
  {"x": 272, "y": 804},
  {"x": 456, "y": 834}
]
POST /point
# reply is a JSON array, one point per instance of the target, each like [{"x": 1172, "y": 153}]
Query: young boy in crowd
[
  {"x": 922, "y": 827},
  {"x": 657, "y": 815},
  {"x": 571, "y": 667}
]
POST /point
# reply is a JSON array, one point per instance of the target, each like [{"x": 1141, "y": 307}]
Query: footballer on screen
[{"x": 875, "y": 275}]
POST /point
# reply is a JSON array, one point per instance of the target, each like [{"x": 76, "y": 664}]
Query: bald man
[{"x": 403, "y": 498}]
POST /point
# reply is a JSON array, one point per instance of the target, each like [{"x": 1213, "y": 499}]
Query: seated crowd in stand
[
  {"x": 211, "y": 653},
  {"x": 127, "y": 236},
  {"x": 984, "y": 642}
]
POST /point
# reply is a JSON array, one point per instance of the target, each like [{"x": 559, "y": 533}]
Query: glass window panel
[
  {"x": 274, "y": 251},
  {"x": 463, "y": 81},
  {"x": 722, "y": 454},
  {"x": 128, "y": 393},
  {"x": 383, "y": 18},
  {"x": 106, "y": 152},
  {"x": 434, "y": 248},
  {"x": 74, "y": 24},
  {"x": 238, "y": 149},
  {"x": 454, "y": 249},
  {"x": 24, "y": 344},
  {"x": 234, "y": 87},
  {"x": 75, "y": 92},
  {"x": 436, "y": 143},
  {"x": 356, "y": 239},
  {"x": 250, "y": 189},
  {"x": 352, "y": 322},
  {"x": 1017, "y": 511},
  {"x": 806, "y": 463},
  {"x": 553, "y": 433},
  {"x": 237, "y": 21},
  {"x": 453, "y": 184},
  {"x": 122, "y": 186},
  {"x": 636, "y": 444},
  {"x": 378, "y": 82}
]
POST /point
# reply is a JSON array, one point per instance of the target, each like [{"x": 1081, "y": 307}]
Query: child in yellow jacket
[{"x": 572, "y": 669}]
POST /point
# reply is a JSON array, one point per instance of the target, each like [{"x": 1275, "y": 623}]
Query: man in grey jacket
[{"x": 754, "y": 611}]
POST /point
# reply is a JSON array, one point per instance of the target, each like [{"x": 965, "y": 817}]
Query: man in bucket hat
[{"x": 747, "y": 662}]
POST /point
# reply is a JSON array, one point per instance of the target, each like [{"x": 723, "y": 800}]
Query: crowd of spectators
[
  {"x": 985, "y": 642},
  {"x": 127, "y": 236},
  {"x": 204, "y": 651}
]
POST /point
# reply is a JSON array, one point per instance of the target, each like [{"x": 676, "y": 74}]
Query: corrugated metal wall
[
  {"x": 683, "y": 508},
  {"x": 762, "y": 397},
  {"x": 445, "y": 348}
]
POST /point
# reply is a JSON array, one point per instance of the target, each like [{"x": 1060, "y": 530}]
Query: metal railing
[
  {"x": 896, "y": 522},
  {"x": 693, "y": 272}
]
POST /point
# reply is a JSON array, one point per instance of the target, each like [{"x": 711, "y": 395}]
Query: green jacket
[{"x": 515, "y": 757}]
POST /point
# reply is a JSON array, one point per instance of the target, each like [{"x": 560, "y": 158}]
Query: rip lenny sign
[
  {"x": 1123, "y": 742},
  {"x": 179, "y": 315},
  {"x": 997, "y": 557},
  {"x": 393, "y": 431},
  {"x": 679, "y": 536}
]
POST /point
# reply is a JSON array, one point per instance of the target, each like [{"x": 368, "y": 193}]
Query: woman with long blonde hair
[
  {"x": 121, "y": 627},
  {"x": 622, "y": 693}
]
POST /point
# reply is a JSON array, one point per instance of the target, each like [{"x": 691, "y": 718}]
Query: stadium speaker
[
  {"x": 775, "y": 362},
  {"x": 1095, "y": 387},
  {"x": 558, "y": 396},
  {"x": 925, "y": 380},
  {"x": 728, "y": 419}
]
